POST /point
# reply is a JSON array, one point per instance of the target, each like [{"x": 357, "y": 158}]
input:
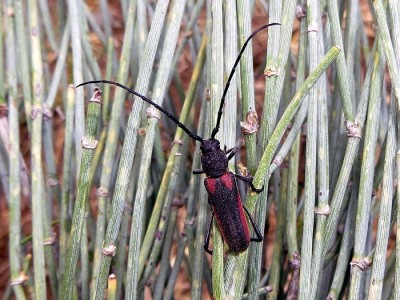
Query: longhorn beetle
[{"x": 220, "y": 183}]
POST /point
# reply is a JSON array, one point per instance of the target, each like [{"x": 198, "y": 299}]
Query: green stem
[
  {"x": 66, "y": 183},
  {"x": 77, "y": 72},
  {"x": 23, "y": 59},
  {"x": 169, "y": 290},
  {"x": 158, "y": 243},
  {"x": 305, "y": 288},
  {"x": 109, "y": 152},
  {"x": 165, "y": 268},
  {"x": 17, "y": 276},
  {"x": 383, "y": 231},
  {"x": 195, "y": 234},
  {"x": 388, "y": 48},
  {"x": 78, "y": 218},
  {"x": 366, "y": 181},
  {"x": 60, "y": 67},
  {"x": 36, "y": 156},
  {"x": 247, "y": 80},
  {"x": 322, "y": 209},
  {"x": 46, "y": 19},
  {"x": 347, "y": 242},
  {"x": 272, "y": 99},
  {"x": 292, "y": 198}
]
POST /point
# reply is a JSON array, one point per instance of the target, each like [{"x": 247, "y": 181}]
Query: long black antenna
[
  {"x": 221, "y": 106},
  {"x": 144, "y": 98}
]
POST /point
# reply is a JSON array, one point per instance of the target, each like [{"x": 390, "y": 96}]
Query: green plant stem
[
  {"x": 163, "y": 226},
  {"x": 195, "y": 234},
  {"x": 4, "y": 174},
  {"x": 60, "y": 67},
  {"x": 190, "y": 27},
  {"x": 132, "y": 290},
  {"x": 120, "y": 264},
  {"x": 347, "y": 241},
  {"x": 349, "y": 51},
  {"x": 54, "y": 196},
  {"x": 65, "y": 189},
  {"x": 46, "y": 19},
  {"x": 106, "y": 20},
  {"x": 17, "y": 276},
  {"x": 247, "y": 80},
  {"x": 277, "y": 256},
  {"x": 36, "y": 156},
  {"x": 93, "y": 66},
  {"x": 293, "y": 134},
  {"x": 229, "y": 118},
  {"x": 169, "y": 290},
  {"x": 90, "y": 18},
  {"x": 110, "y": 149},
  {"x": 366, "y": 181},
  {"x": 78, "y": 218},
  {"x": 292, "y": 194},
  {"x": 394, "y": 13},
  {"x": 322, "y": 209},
  {"x": 23, "y": 59},
  {"x": 261, "y": 291},
  {"x": 305, "y": 288},
  {"x": 84, "y": 251},
  {"x": 165, "y": 255},
  {"x": 271, "y": 99},
  {"x": 383, "y": 231},
  {"x": 106, "y": 91},
  {"x": 388, "y": 48},
  {"x": 77, "y": 72}
]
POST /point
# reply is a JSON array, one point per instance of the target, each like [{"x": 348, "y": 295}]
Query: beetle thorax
[{"x": 213, "y": 159}]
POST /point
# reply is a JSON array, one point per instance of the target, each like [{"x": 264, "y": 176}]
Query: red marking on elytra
[
  {"x": 227, "y": 180},
  {"x": 210, "y": 185},
  {"x": 243, "y": 217}
]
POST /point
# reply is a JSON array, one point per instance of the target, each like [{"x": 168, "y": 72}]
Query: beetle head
[
  {"x": 213, "y": 158},
  {"x": 210, "y": 145}
]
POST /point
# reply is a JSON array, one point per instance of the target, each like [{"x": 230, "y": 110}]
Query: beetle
[{"x": 223, "y": 193}]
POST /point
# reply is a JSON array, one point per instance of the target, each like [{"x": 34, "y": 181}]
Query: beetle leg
[
  {"x": 207, "y": 240},
  {"x": 259, "y": 237},
  {"x": 198, "y": 171},
  {"x": 249, "y": 180},
  {"x": 231, "y": 152}
]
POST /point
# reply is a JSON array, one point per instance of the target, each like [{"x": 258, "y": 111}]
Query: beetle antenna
[
  {"x": 221, "y": 106},
  {"x": 144, "y": 98}
]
